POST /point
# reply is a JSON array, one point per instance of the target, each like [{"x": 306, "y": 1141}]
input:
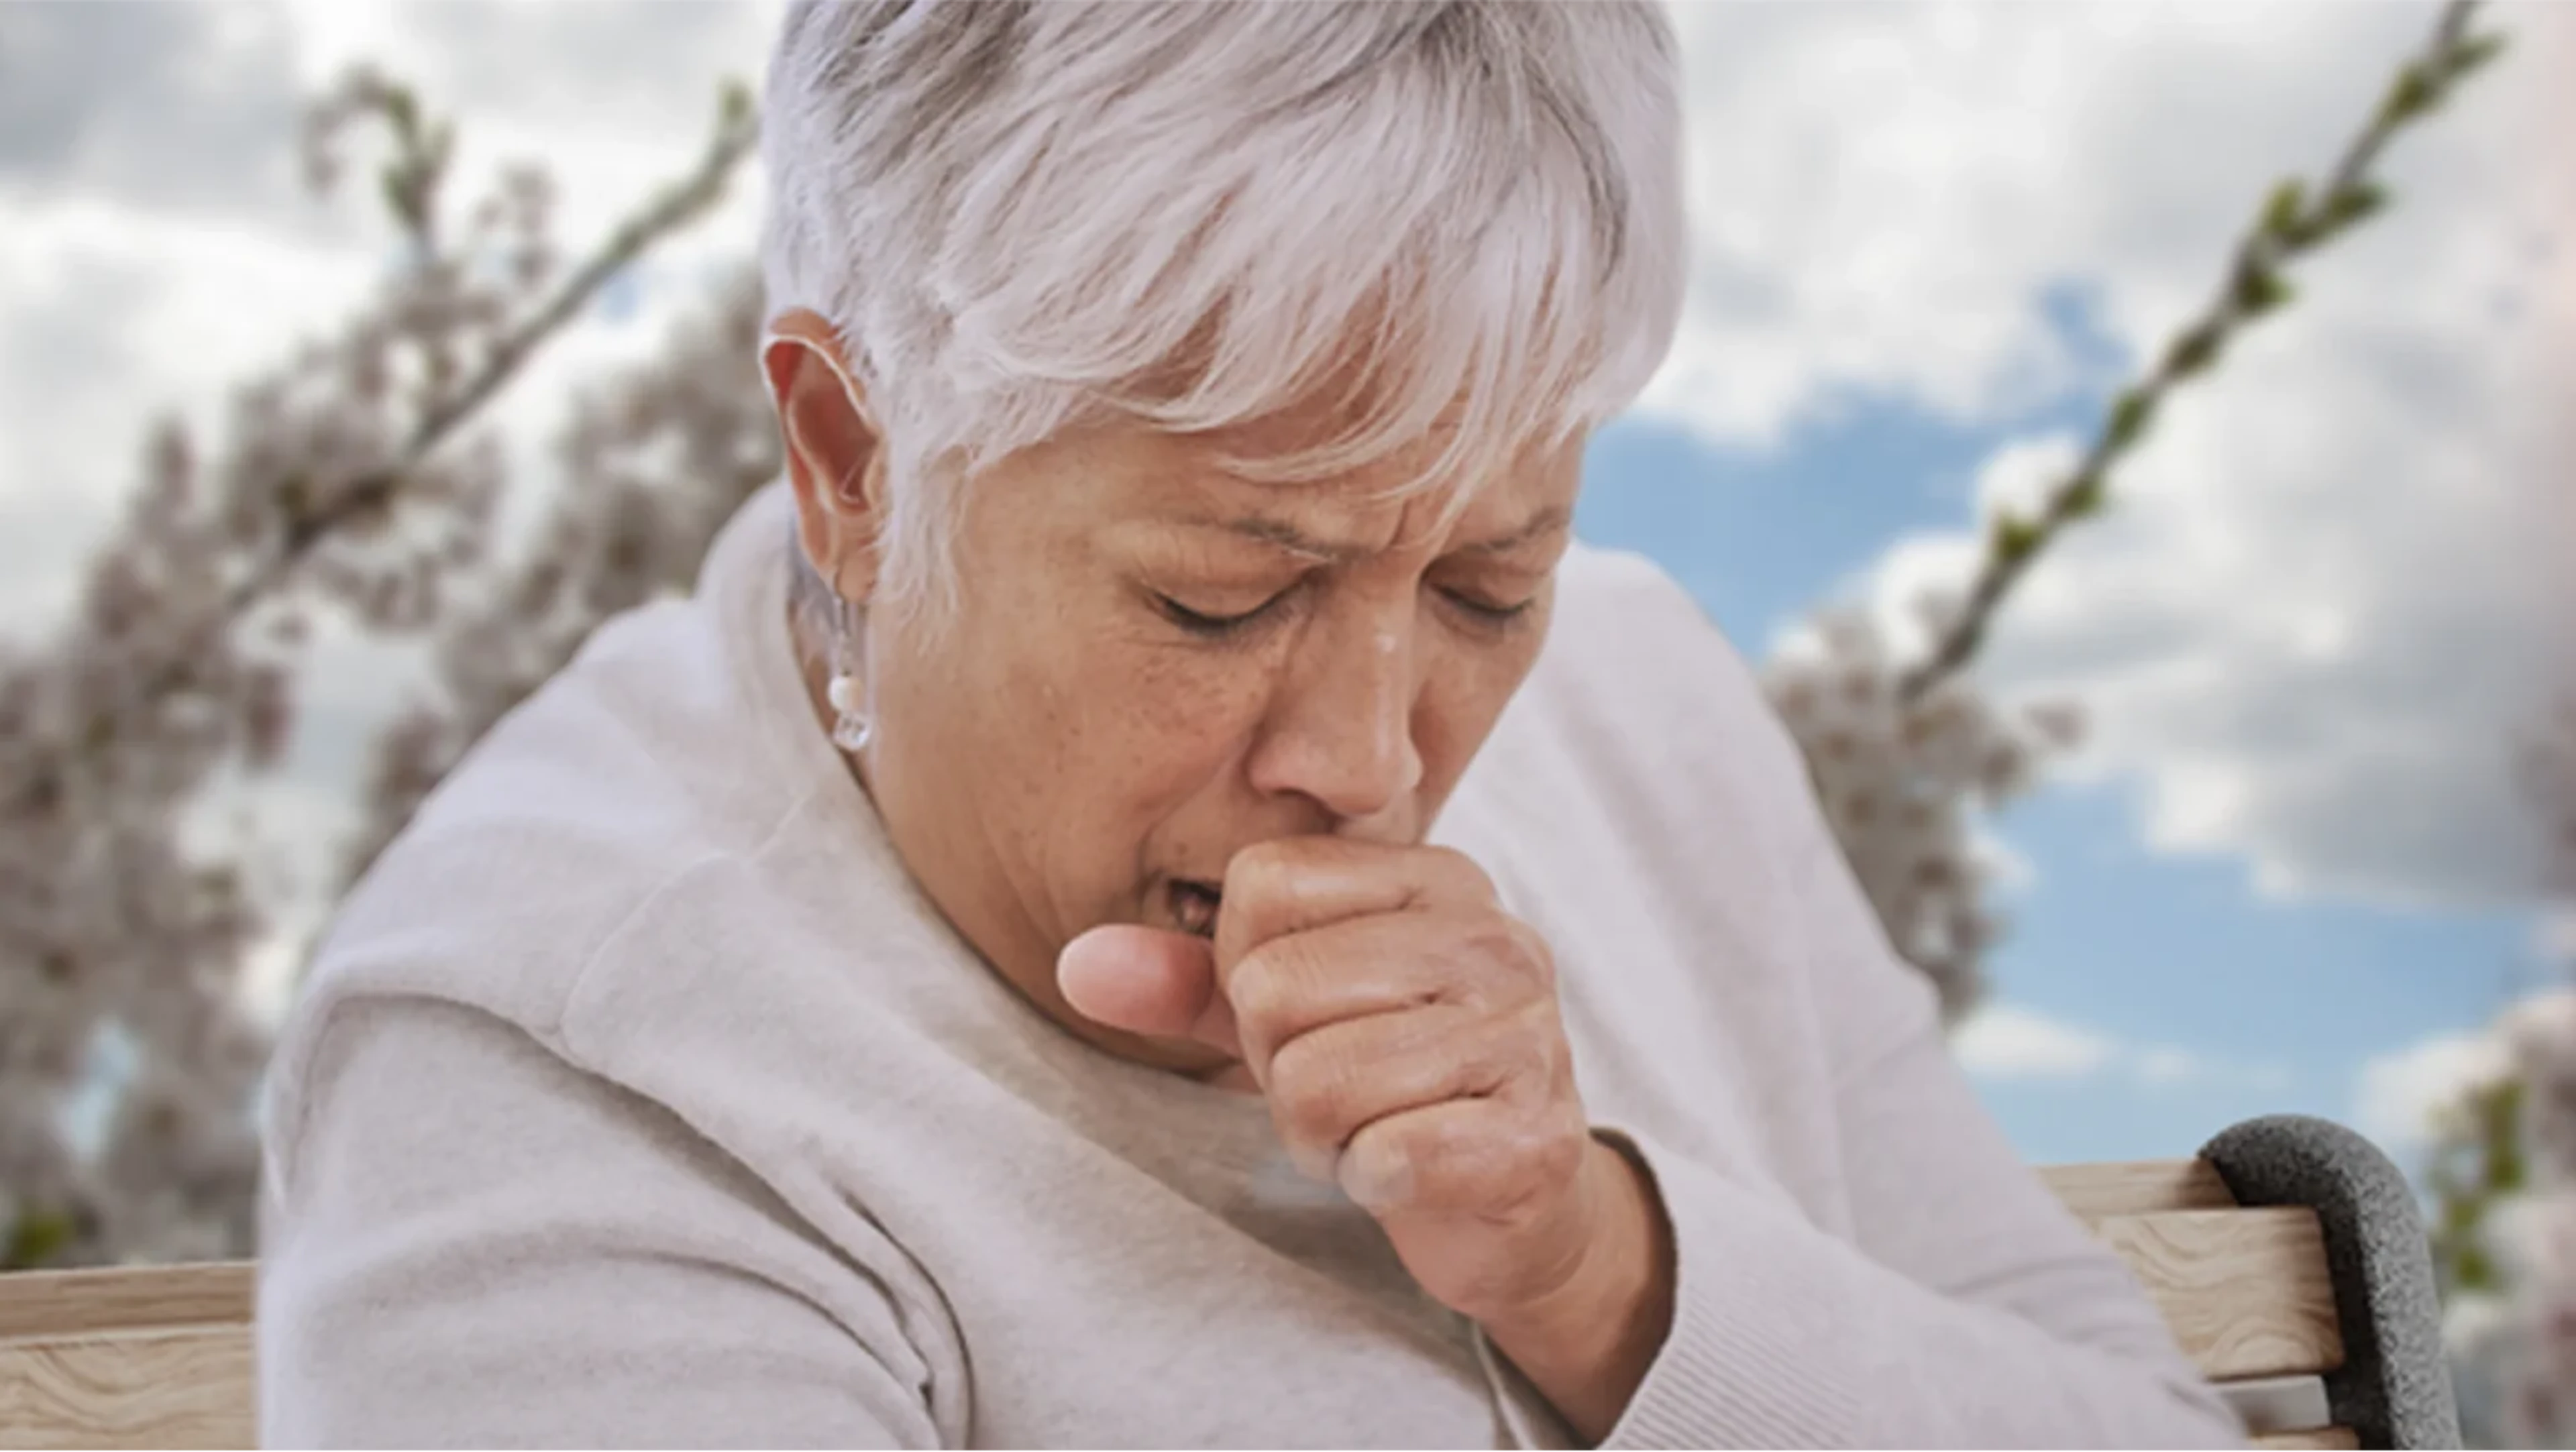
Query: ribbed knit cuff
[{"x": 1754, "y": 1357}]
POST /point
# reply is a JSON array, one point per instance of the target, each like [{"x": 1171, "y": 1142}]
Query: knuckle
[
  {"x": 1457, "y": 876},
  {"x": 1498, "y": 946},
  {"x": 1530, "y": 951},
  {"x": 1312, "y": 1088},
  {"x": 1444, "y": 1173},
  {"x": 1538, "y": 1039},
  {"x": 1380, "y": 1171},
  {"x": 1505, "y": 1167},
  {"x": 1260, "y": 879},
  {"x": 1555, "y": 1058},
  {"x": 1487, "y": 1174},
  {"x": 1494, "y": 939},
  {"x": 1261, "y": 990}
]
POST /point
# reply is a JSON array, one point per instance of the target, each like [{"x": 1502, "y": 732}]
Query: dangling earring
[{"x": 851, "y": 727}]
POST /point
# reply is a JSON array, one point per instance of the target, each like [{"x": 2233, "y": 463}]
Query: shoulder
[
  {"x": 613, "y": 786},
  {"x": 1638, "y": 683},
  {"x": 1655, "y": 734},
  {"x": 1641, "y": 762}
]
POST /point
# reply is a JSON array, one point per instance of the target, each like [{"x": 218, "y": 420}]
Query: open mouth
[{"x": 1194, "y": 906}]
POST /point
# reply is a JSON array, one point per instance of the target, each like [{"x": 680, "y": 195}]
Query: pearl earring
[{"x": 851, "y": 727}]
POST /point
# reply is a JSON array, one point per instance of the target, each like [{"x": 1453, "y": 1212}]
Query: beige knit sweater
[{"x": 637, "y": 1098}]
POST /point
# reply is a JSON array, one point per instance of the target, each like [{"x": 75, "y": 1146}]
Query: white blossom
[
  {"x": 1904, "y": 785},
  {"x": 2514, "y": 1353}
]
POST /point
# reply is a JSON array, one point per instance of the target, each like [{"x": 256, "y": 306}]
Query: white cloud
[
  {"x": 2006, "y": 1042},
  {"x": 2312, "y": 623},
  {"x": 2398, "y": 1093},
  {"x": 1883, "y": 194},
  {"x": 177, "y": 104},
  {"x": 2168, "y": 1066}
]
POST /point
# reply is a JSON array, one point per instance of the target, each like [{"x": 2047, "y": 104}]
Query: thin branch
[
  {"x": 736, "y": 133},
  {"x": 2293, "y": 222}
]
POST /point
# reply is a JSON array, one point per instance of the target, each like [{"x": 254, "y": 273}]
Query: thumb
[{"x": 1147, "y": 981}]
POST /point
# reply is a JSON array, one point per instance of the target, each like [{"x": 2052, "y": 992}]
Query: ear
[{"x": 835, "y": 455}]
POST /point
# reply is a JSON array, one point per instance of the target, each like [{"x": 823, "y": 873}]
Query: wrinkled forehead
[{"x": 1419, "y": 495}]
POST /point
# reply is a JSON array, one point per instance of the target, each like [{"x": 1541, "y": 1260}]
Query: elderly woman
[{"x": 1153, "y": 896}]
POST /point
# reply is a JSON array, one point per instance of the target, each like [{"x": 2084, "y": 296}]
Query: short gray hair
[{"x": 1024, "y": 215}]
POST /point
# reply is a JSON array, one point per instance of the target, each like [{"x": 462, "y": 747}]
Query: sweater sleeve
[
  {"x": 468, "y": 1241},
  {"x": 1968, "y": 1308}
]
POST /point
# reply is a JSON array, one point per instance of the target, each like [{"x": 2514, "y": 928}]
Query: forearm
[{"x": 1783, "y": 1333}]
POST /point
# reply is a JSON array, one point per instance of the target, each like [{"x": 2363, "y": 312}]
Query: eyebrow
[
  {"x": 1286, "y": 536},
  {"x": 1546, "y": 521}
]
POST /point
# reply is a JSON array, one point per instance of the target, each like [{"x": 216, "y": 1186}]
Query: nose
[{"x": 1341, "y": 729}]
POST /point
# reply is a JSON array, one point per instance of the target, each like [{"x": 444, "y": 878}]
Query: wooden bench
[
  {"x": 2286, "y": 1268},
  {"x": 2290, "y": 1260},
  {"x": 152, "y": 1356}
]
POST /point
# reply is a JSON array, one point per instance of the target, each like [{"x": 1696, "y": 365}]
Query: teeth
[{"x": 1195, "y": 907}]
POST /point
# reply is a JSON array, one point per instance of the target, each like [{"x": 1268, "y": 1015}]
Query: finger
[
  {"x": 1147, "y": 981},
  {"x": 1291, "y": 884},
  {"x": 1328, "y": 1086},
  {"x": 1296, "y": 984}
]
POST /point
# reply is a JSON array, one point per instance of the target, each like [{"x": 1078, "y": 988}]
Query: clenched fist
[{"x": 1405, "y": 1032}]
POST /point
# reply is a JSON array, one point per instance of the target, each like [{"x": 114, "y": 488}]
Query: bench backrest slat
[
  {"x": 125, "y": 1298},
  {"x": 2246, "y": 1291},
  {"x": 2140, "y": 1187}
]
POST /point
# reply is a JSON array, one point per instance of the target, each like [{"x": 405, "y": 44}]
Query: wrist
[{"x": 1588, "y": 1344}]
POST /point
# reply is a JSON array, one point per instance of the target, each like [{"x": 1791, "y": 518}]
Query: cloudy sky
[{"x": 2291, "y": 870}]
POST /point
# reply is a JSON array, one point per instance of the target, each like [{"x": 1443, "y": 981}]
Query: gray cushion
[{"x": 2394, "y": 1389}]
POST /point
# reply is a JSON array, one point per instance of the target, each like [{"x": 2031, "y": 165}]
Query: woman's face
[{"x": 1154, "y": 664}]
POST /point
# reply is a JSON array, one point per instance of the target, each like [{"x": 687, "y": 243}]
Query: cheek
[
  {"x": 1113, "y": 728},
  {"x": 1073, "y": 720},
  {"x": 1464, "y": 693},
  {"x": 1163, "y": 722}
]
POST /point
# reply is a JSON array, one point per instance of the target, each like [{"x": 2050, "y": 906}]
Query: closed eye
[
  {"x": 1488, "y": 612},
  {"x": 1213, "y": 627},
  {"x": 1493, "y": 614}
]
